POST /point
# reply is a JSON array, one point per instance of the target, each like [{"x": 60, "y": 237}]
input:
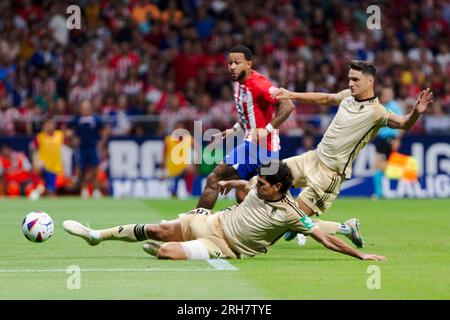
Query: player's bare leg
[
  {"x": 165, "y": 231},
  {"x": 169, "y": 250},
  {"x": 209, "y": 195}
]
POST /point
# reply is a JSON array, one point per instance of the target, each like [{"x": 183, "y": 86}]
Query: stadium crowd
[
  {"x": 147, "y": 65},
  {"x": 166, "y": 59}
]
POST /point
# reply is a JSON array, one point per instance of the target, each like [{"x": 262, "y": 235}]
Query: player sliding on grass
[
  {"x": 321, "y": 172},
  {"x": 241, "y": 230}
]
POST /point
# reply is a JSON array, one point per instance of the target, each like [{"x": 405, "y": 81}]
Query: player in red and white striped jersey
[{"x": 259, "y": 117}]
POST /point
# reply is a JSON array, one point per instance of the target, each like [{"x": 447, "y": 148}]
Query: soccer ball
[{"x": 37, "y": 226}]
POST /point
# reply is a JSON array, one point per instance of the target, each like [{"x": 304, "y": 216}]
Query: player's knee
[
  {"x": 154, "y": 231},
  {"x": 160, "y": 231}
]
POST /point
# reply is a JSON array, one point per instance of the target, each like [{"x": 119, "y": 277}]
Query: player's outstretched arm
[
  {"x": 406, "y": 122},
  {"x": 282, "y": 112},
  {"x": 335, "y": 244},
  {"x": 226, "y": 186},
  {"x": 317, "y": 98}
]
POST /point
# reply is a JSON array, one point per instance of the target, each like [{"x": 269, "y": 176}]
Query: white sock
[
  {"x": 95, "y": 234},
  {"x": 344, "y": 229}
]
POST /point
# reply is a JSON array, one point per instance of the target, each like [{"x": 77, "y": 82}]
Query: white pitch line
[
  {"x": 221, "y": 264},
  {"x": 217, "y": 264},
  {"x": 111, "y": 270}
]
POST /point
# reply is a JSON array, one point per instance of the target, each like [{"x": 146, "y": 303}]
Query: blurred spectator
[
  {"x": 9, "y": 46},
  {"x": 204, "y": 23},
  {"x": 179, "y": 152},
  {"x": 47, "y": 96},
  {"x": 161, "y": 48},
  {"x": 87, "y": 89},
  {"x": 8, "y": 115},
  {"x": 102, "y": 173},
  {"x": 437, "y": 123},
  {"x": 15, "y": 173},
  {"x": 172, "y": 15},
  {"x": 143, "y": 10},
  {"x": 171, "y": 114},
  {"x": 223, "y": 112},
  {"x": 308, "y": 143},
  {"x": 121, "y": 124},
  {"x": 57, "y": 24},
  {"x": 388, "y": 140},
  {"x": 92, "y": 135},
  {"x": 47, "y": 157}
]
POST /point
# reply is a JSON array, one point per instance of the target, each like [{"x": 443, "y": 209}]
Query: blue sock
[{"x": 377, "y": 180}]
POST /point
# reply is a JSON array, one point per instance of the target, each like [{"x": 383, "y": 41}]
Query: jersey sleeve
[
  {"x": 298, "y": 220},
  {"x": 266, "y": 89},
  {"x": 382, "y": 116},
  {"x": 305, "y": 225},
  {"x": 342, "y": 95}
]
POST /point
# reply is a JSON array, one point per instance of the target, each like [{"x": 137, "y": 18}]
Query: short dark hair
[
  {"x": 242, "y": 49},
  {"x": 283, "y": 175},
  {"x": 363, "y": 66}
]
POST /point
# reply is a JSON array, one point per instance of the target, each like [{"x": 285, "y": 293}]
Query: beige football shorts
[
  {"x": 320, "y": 185},
  {"x": 201, "y": 224}
]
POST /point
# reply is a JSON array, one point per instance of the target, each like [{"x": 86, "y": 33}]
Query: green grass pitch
[{"x": 414, "y": 235}]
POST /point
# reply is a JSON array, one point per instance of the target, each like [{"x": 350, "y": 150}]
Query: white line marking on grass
[
  {"x": 221, "y": 264},
  {"x": 112, "y": 270},
  {"x": 217, "y": 264}
]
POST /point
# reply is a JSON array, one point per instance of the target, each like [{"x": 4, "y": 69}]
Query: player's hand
[
  {"x": 368, "y": 256},
  {"x": 225, "y": 187},
  {"x": 425, "y": 98},
  {"x": 217, "y": 138},
  {"x": 282, "y": 93}
]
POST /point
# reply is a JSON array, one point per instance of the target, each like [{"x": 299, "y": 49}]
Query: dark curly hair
[
  {"x": 282, "y": 175},
  {"x": 242, "y": 49}
]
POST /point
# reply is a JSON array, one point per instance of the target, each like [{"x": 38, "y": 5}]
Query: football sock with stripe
[{"x": 129, "y": 233}]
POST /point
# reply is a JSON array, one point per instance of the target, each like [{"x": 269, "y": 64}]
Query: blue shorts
[
  {"x": 247, "y": 157},
  {"x": 50, "y": 180},
  {"x": 88, "y": 158}
]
